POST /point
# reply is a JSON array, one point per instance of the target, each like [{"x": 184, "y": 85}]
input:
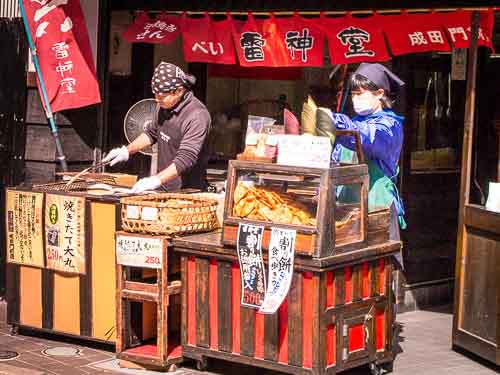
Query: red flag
[
  {"x": 204, "y": 40},
  {"x": 353, "y": 39},
  {"x": 250, "y": 42},
  {"x": 413, "y": 33},
  {"x": 303, "y": 40},
  {"x": 458, "y": 28},
  {"x": 64, "y": 54},
  {"x": 275, "y": 42},
  {"x": 163, "y": 29}
]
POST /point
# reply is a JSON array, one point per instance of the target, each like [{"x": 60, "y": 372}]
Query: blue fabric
[{"x": 381, "y": 136}]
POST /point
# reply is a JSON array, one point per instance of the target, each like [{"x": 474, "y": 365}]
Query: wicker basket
[{"x": 168, "y": 214}]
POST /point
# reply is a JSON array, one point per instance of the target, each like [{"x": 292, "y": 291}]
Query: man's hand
[
  {"x": 117, "y": 155},
  {"x": 145, "y": 184}
]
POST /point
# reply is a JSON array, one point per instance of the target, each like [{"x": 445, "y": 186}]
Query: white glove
[
  {"x": 117, "y": 155},
  {"x": 145, "y": 184}
]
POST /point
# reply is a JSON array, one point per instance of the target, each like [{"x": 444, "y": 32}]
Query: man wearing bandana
[{"x": 181, "y": 130}]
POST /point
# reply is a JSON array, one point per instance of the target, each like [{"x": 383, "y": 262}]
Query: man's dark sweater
[{"x": 182, "y": 136}]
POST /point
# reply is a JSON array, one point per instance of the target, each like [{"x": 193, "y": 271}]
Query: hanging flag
[
  {"x": 303, "y": 40},
  {"x": 64, "y": 53},
  {"x": 204, "y": 40},
  {"x": 354, "y": 40},
  {"x": 163, "y": 29},
  {"x": 414, "y": 33},
  {"x": 458, "y": 28},
  {"x": 251, "y": 44},
  {"x": 283, "y": 42}
]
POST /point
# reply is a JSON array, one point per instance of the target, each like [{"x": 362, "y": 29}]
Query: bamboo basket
[{"x": 168, "y": 214}]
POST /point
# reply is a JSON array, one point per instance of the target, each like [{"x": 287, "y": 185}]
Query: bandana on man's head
[{"x": 168, "y": 78}]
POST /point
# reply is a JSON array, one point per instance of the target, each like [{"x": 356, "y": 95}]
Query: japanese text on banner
[
  {"x": 281, "y": 257},
  {"x": 65, "y": 233},
  {"x": 253, "y": 278},
  {"x": 24, "y": 228},
  {"x": 63, "y": 48}
]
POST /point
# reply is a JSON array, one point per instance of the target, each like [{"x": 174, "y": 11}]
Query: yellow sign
[
  {"x": 65, "y": 233},
  {"x": 24, "y": 228}
]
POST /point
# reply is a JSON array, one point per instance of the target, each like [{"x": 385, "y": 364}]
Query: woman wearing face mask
[{"x": 381, "y": 133}]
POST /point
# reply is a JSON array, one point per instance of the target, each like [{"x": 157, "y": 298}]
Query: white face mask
[
  {"x": 366, "y": 103},
  {"x": 362, "y": 106}
]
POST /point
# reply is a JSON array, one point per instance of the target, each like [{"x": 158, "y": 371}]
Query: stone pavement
[{"x": 424, "y": 348}]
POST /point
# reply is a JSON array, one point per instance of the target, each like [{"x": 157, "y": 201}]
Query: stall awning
[
  {"x": 284, "y": 5},
  {"x": 297, "y": 41}
]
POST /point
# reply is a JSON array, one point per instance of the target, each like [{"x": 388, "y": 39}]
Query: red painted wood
[
  {"x": 307, "y": 320},
  {"x": 380, "y": 329},
  {"x": 283, "y": 332},
  {"x": 174, "y": 351},
  {"x": 236, "y": 296},
  {"x": 356, "y": 338},
  {"x": 330, "y": 289},
  {"x": 381, "y": 265},
  {"x": 330, "y": 345},
  {"x": 213, "y": 304},
  {"x": 365, "y": 293},
  {"x": 258, "y": 336},
  {"x": 191, "y": 321},
  {"x": 348, "y": 285}
]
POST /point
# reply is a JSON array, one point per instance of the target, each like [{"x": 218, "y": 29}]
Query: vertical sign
[
  {"x": 281, "y": 256},
  {"x": 65, "y": 233},
  {"x": 253, "y": 279},
  {"x": 24, "y": 228},
  {"x": 459, "y": 64}
]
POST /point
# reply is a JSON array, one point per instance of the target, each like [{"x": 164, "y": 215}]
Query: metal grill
[{"x": 9, "y": 9}]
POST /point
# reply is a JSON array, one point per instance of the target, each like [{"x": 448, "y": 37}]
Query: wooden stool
[{"x": 143, "y": 268}]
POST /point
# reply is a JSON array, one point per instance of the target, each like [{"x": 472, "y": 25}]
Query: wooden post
[{"x": 465, "y": 178}]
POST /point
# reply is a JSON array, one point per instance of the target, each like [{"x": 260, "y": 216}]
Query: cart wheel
[
  {"x": 388, "y": 367},
  {"x": 375, "y": 369},
  {"x": 14, "y": 330},
  {"x": 201, "y": 364}
]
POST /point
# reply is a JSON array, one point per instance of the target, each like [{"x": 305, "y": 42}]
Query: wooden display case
[{"x": 327, "y": 207}]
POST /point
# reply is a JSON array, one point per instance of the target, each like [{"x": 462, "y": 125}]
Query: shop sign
[
  {"x": 304, "y": 151},
  {"x": 204, "y": 40},
  {"x": 65, "y": 233},
  {"x": 353, "y": 40},
  {"x": 135, "y": 251},
  {"x": 458, "y": 28},
  {"x": 281, "y": 257},
  {"x": 292, "y": 42},
  {"x": 64, "y": 53},
  {"x": 414, "y": 33},
  {"x": 253, "y": 279},
  {"x": 163, "y": 29},
  {"x": 24, "y": 228}
]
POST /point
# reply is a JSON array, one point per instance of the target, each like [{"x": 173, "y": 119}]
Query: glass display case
[{"x": 327, "y": 207}]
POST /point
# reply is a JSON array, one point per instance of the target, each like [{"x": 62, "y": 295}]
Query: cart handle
[{"x": 357, "y": 138}]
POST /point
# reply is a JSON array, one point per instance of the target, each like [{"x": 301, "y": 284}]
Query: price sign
[
  {"x": 304, "y": 151},
  {"x": 134, "y": 251}
]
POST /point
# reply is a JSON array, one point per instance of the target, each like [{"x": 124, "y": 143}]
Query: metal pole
[{"x": 50, "y": 115}]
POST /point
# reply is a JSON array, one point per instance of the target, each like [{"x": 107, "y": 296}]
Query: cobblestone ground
[{"x": 424, "y": 348}]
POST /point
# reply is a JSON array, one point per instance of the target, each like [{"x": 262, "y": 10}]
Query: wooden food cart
[
  {"x": 338, "y": 313},
  {"x": 75, "y": 304}
]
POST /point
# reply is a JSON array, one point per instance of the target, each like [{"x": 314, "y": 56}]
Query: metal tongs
[{"x": 86, "y": 170}]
